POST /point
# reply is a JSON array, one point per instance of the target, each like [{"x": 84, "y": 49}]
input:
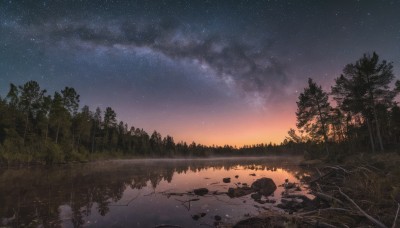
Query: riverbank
[{"x": 363, "y": 190}]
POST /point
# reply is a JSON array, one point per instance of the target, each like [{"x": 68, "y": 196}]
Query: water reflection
[{"x": 141, "y": 193}]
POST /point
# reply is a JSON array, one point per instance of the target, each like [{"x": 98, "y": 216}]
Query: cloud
[{"x": 248, "y": 66}]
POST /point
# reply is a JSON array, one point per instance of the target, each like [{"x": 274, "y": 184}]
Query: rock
[
  {"x": 264, "y": 186},
  {"x": 256, "y": 196},
  {"x": 226, "y": 180},
  {"x": 289, "y": 185},
  {"x": 290, "y": 205},
  {"x": 252, "y": 174},
  {"x": 217, "y": 218},
  {"x": 261, "y": 201},
  {"x": 239, "y": 192},
  {"x": 200, "y": 191},
  {"x": 237, "y": 176},
  {"x": 198, "y": 216},
  {"x": 270, "y": 201}
]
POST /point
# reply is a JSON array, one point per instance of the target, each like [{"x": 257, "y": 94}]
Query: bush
[{"x": 52, "y": 154}]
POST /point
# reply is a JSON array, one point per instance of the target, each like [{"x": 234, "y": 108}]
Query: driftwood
[
  {"x": 397, "y": 214},
  {"x": 370, "y": 218},
  {"x": 187, "y": 202},
  {"x": 323, "y": 176},
  {"x": 325, "y": 209},
  {"x": 167, "y": 225},
  {"x": 328, "y": 198},
  {"x": 321, "y": 224}
]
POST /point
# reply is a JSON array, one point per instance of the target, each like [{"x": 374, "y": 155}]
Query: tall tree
[
  {"x": 70, "y": 100},
  {"x": 30, "y": 99},
  {"x": 110, "y": 123},
  {"x": 96, "y": 127},
  {"x": 363, "y": 86},
  {"x": 313, "y": 112},
  {"x": 59, "y": 115}
]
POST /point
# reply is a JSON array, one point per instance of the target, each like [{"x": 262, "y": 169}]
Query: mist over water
[{"x": 139, "y": 193}]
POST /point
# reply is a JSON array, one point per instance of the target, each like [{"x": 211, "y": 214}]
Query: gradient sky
[{"x": 214, "y": 72}]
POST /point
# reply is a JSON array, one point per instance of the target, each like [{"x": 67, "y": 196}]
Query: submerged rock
[
  {"x": 200, "y": 191},
  {"x": 256, "y": 196},
  {"x": 239, "y": 192},
  {"x": 226, "y": 180},
  {"x": 264, "y": 186}
]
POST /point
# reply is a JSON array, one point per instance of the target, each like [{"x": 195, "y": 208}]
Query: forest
[
  {"x": 362, "y": 117},
  {"x": 38, "y": 128}
]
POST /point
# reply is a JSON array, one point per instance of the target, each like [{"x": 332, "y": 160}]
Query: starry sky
[{"x": 214, "y": 72}]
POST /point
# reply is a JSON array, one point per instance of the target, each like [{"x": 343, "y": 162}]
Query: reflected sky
[{"x": 143, "y": 193}]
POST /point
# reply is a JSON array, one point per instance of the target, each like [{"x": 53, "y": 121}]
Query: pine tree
[{"x": 313, "y": 112}]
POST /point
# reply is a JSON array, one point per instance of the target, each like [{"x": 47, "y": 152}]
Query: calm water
[{"x": 137, "y": 193}]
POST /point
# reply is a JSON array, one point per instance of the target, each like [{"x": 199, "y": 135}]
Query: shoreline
[{"x": 342, "y": 198}]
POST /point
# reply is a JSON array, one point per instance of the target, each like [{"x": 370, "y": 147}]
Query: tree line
[
  {"x": 363, "y": 114},
  {"x": 39, "y": 128}
]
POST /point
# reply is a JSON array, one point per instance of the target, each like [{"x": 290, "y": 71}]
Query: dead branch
[
  {"x": 397, "y": 214},
  {"x": 325, "y": 209},
  {"x": 167, "y": 225},
  {"x": 323, "y": 176},
  {"x": 187, "y": 202},
  {"x": 370, "y": 218},
  {"x": 127, "y": 204},
  {"x": 328, "y": 198}
]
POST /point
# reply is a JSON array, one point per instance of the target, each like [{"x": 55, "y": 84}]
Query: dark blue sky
[{"x": 210, "y": 71}]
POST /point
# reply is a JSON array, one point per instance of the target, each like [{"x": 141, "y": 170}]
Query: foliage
[
  {"x": 365, "y": 112},
  {"x": 40, "y": 128}
]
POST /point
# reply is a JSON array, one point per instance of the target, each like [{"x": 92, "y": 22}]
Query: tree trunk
[
  {"x": 378, "y": 129},
  {"x": 58, "y": 131},
  {"x": 371, "y": 138},
  {"x": 26, "y": 128},
  {"x": 93, "y": 138},
  {"x": 324, "y": 129},
  {"x": 47, "y": 132}
]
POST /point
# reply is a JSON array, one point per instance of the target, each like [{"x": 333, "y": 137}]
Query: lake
[{"x": 140, "y": 193}]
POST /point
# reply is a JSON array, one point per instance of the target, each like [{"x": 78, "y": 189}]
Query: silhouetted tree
[
  {"x": 30, "y": 99},
  {"x": 362, "y": 87},
  {"x": 313, "y": 112}
]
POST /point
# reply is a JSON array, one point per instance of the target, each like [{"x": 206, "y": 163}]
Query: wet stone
[
  {"x": 256, "y": 196},
  {"x": 200, "y": 191},
  {"x": 264, "y": 186}
]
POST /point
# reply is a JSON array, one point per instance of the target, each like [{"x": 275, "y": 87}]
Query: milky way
[{"x": 210, "y": 71}]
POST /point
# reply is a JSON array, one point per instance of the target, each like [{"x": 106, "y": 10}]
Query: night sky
[{"x": 216, "y": 72}]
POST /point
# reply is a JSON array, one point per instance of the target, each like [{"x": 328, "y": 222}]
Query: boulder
[
  {"x": 200, "y": 191},
  {"x": 264, "y": 186},
  {"x": 256, "y": 196},
  {"x": 239, "y": 192},
  {"x": 226, "y": 180}
]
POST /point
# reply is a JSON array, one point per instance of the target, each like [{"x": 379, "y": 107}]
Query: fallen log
[{"x": 370, "y": 218}]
